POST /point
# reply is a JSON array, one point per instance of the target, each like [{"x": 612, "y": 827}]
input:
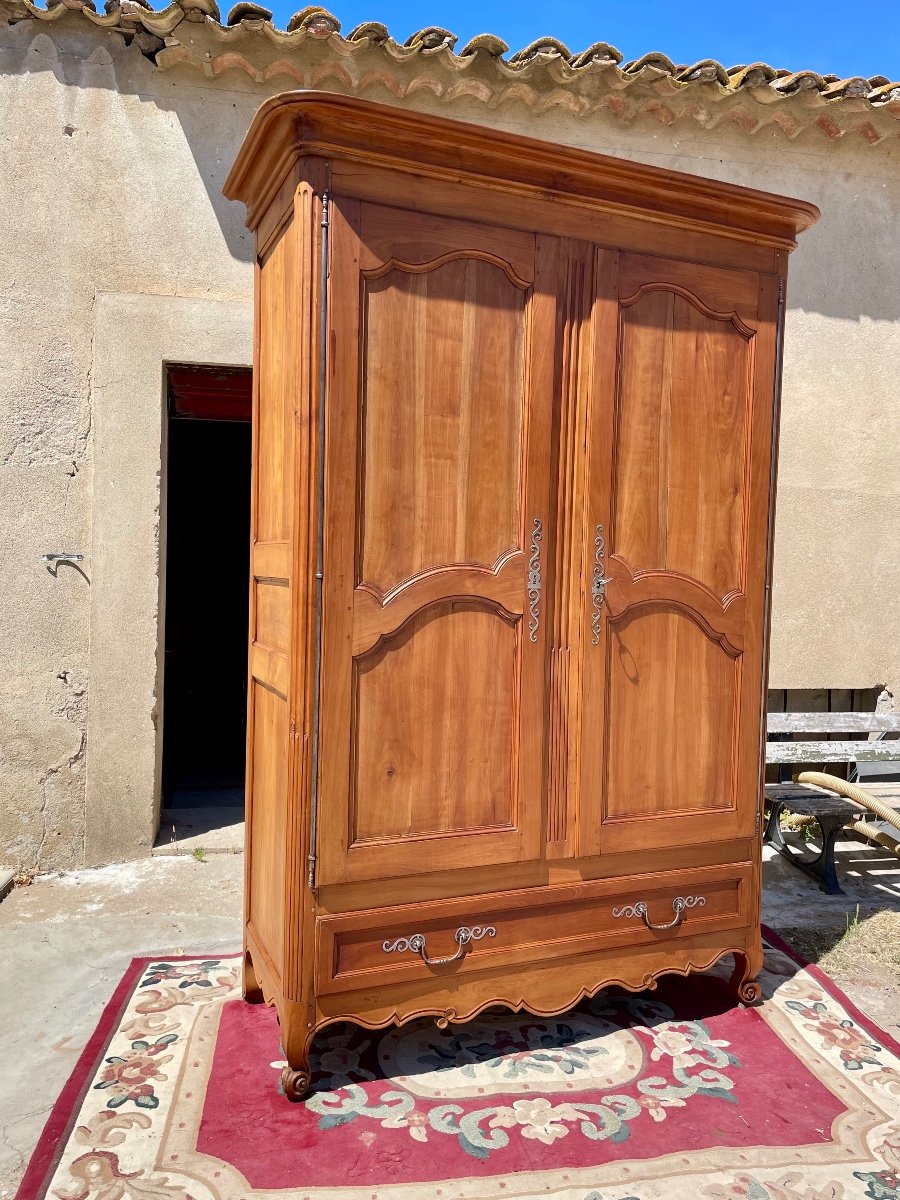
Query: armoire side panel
[{"x": 271, "y": 594}]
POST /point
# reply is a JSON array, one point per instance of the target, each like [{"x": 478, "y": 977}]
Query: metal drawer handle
[
  {"x": 680, "y": 905},
  {"x": 463, "y": 937}
]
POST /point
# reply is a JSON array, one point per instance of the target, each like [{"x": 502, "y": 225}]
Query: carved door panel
[
  {"x": 675, "y": 554},
  {"x": 438, "y": 471}
]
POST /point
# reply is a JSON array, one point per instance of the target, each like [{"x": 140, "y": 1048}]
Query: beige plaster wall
[{"x": 112, "y": 174}]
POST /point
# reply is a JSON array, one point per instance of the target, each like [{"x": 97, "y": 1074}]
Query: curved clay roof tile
[
  {"x": 431, "y": 38},
  {"x": 153, "y": 32},
  {"x": 199, "y": 10},
  {"x": 544, "y": 45},
  {"x": 598, "y": 52},
  {"x": 369, "y": 31},
  {"x": 799, "y": 81},
  {"x": 656, "y": 60},
  {"x": 484, "y": 43},
  {"x": 246, "y": 10},
  {"x": 854, "y": 87},
  {"x": 705, "y": 71},
  {"x": 317, "y": 21},
  {"x": 886, "y": 93}
]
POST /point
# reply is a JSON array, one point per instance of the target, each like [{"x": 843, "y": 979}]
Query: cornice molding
[{"x": 347, "y": 128}]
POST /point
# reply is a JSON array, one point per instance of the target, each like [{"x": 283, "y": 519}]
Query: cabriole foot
[{"x": 251, "y": 990}]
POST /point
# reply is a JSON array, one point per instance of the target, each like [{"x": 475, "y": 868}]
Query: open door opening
[{"x": 207, "y": 572}]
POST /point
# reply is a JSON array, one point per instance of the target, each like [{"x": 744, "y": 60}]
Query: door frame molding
[{"x": 136, "y": 335}]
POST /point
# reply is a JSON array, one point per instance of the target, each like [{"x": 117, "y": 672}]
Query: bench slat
[
  {"x": 833, "y": 722},
  {"x": 825, "y": 752},
  {"x": 812, "y": 801},
  {"x": 887, "y": 793}
]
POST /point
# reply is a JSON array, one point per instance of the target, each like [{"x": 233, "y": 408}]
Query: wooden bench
[{"x": 831, "y": 812}]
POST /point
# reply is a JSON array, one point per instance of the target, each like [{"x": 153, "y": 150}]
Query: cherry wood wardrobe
[{"x": 514, "y": 436}]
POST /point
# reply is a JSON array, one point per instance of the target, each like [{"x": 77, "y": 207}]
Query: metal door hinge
[{"x": 320, "y": 545}]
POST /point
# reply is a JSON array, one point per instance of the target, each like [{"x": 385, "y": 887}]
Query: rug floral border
[
  {"x": 176, "y": 1153},
  {"x": 65, "y": 1111}
]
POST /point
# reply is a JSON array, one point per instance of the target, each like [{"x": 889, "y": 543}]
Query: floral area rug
[{"x": 668, "y": 1095}]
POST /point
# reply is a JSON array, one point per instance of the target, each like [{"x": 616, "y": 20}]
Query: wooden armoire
[{"x": 514, "y": 438}]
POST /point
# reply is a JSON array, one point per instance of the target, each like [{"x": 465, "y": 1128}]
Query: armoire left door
[{"x": 442, "y": 336}]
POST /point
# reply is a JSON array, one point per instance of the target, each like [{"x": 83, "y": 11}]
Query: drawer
[{"x": 379, "y": 947}]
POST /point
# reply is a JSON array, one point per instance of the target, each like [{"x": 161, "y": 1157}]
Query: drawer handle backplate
[
  {"x": 680, "y": 905},
  {"x": 463, "y": 937}
]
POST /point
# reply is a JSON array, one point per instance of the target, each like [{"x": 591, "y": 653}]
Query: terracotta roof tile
[
  {"x": 313, "y": 52},
  {"x": 369, "y": 31},
  {"x": 317, "y": 21},
  {"x": 653, "y": 60},
  {"x": 546, "y": 47},
  {"x": 432, "y": 38},
  {"x": 484, "y": 43},
  {"x": 245, "y": 10},
  {"x": 705, "y": 71}
]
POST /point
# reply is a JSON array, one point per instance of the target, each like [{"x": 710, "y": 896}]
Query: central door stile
[
  {"x": 593, "y": 549},
  {"x": 575, "y": 283}
]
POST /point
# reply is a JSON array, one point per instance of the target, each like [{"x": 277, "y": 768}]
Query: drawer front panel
[{"x": 378, "y": 947}]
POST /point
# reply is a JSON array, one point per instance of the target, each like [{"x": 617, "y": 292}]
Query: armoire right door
[{"x": 679, "y": 444}]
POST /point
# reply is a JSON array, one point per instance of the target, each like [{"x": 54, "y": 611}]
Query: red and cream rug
[{"x": 669, "y": 1095}]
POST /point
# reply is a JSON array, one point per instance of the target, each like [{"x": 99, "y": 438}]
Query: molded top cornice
[{"x": 343, "y": 127}]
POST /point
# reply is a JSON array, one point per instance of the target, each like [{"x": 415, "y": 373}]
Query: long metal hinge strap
[{"x": 320, "y": 542}]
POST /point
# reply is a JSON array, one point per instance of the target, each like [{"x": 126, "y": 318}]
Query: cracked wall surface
[{"x": 114, "y": 169}]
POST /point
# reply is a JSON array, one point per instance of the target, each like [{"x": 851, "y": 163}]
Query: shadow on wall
[
  {"x": 163, "y": 115},
  {"x": 847, "y": 266}
]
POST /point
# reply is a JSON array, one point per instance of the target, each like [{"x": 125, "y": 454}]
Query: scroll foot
[
  {"x": 295, "y": 1083},
  {"x": 742, "y": 984}
]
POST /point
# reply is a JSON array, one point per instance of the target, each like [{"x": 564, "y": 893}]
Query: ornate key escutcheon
[
  {"x": 534, "y": 580},
  {"x": 598, "y": 584}
]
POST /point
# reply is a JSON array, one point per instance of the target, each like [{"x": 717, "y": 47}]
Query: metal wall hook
[{"x": 52, "y": 558}]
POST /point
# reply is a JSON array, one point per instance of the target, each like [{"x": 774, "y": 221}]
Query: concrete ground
[{"x": 66, "y": 940}]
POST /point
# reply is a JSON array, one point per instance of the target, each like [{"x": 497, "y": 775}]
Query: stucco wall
[{"x": 112, "y": 184}]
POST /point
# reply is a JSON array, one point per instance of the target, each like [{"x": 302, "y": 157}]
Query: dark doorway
[{"x": 207, "y": 568}]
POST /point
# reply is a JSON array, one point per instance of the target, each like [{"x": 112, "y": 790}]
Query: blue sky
[{"x": 824, "y": 35}]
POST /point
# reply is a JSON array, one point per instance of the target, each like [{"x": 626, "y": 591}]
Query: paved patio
[{"x": 66, "y": 940}]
